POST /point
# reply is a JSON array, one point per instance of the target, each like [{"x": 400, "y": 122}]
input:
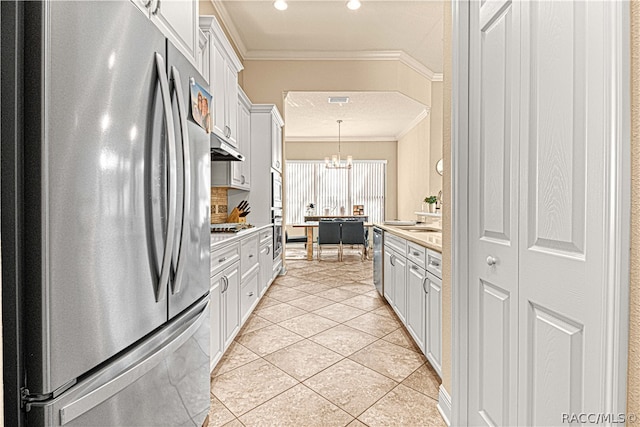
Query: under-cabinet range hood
[{"x": 223, "y": 151}]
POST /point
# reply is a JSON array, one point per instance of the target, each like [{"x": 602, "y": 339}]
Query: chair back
[
  {"x": 329, "y": 233},
  {"x": 353, "y": 233}
]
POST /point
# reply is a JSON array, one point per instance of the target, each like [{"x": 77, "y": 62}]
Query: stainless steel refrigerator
[{"x": 108, "y": 252}]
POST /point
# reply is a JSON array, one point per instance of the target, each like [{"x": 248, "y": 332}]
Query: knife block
[{"x": 235, "y": 216}]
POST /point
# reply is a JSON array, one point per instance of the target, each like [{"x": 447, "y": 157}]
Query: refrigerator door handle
[
  {"x": 186, "y": 193},
  {"x": 161, "y": 290}
]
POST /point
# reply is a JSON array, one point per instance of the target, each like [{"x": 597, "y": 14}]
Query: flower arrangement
[{"x": 311, "y": 209}]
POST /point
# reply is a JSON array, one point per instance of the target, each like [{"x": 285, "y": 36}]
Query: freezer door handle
[
  {"x": 161, "y": 290},
  {"x": 180, "y": 249}
]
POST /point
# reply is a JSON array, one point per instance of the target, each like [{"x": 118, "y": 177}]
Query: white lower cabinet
[
  {"x": 249, "y": 293},
  {"x": 416, "y": 285},
  {"x": 389, "y": 277},
  {"x": 266, "y": 266},
  {"x": 433, "y": 322},
  {"x": 240, "y": 275},
  {"x": 215, "y": 308},
  {"x": 400, "y": 273},
  {"x": 230, "y": 303},
  {"x": 395, "y": 287},
  {"x": 415, "y": 293}
]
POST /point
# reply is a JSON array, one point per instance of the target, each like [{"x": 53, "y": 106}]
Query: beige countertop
[
  {"x": 219, "y": 240},
  {"x": 423, "y": 237}
]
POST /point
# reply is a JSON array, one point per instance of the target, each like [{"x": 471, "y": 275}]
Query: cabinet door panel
[
  {"x": 401, "y": 287},
  {"x": 217, "y": 82},
  {"x": 389, "y": 275},
  {"x": 231, "y": 99},
  {"x": 178, "y": 19},
  {"x": 215, "y": 346},
  {"x": 231, "y": 301},
  {"x": 249, "y": 294},
  {"x": 266, "y": 267},
  {"x": 244, "y": 128},
  {"x": 276, "y": 146},
  {"x": 415, "y": 303},
  {"x": 433, "y": 345}
]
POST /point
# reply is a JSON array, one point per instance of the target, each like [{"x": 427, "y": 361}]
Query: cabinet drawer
[
  {"x": 223, "y": 257},
  {"x": 434, "y": 263},
  {"x": 248, "y": 254},
  {"x": 395, "y": 242},
  {"x": 266, "y": 236},
  {"x": 249, "y": 294},
  {"x": 417, "y": 254}
]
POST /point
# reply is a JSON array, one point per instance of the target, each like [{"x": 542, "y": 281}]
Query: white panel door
[
  {"x": 541, "y": 130},
  {"x": 563, "y": 156},
  {"x": 493, "y": 212}
]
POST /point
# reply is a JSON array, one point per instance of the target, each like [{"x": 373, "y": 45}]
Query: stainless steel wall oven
[{"x": 276, "y": 218}]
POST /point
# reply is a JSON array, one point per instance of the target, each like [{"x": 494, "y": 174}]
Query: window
[{"x": 311, "y": 182}]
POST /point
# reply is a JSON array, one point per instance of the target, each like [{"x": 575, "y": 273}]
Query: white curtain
[{"x": 310, "y": 182}]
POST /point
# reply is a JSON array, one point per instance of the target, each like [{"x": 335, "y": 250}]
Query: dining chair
[
  {"x": 329, "y": 234},
  {"x": 353, "y": 234}
]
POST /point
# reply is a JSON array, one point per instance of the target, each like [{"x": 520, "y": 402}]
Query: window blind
[{"x": 311, "y": 182}]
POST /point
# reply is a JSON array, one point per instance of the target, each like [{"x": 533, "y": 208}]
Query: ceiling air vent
[{"x": 338, "y": 99}]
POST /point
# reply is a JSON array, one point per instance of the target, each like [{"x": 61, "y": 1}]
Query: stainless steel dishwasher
[{"x": 377, "y": 260}]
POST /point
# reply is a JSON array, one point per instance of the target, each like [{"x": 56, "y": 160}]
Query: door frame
[{"x": 617, "y": 216}]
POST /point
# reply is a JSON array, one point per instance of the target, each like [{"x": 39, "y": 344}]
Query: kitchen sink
[{"x": 423, "y": 228}]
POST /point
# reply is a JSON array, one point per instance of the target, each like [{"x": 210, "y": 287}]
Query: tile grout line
[{"x": 342, "y": 357}]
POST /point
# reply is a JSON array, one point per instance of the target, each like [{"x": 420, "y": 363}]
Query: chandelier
[{"x": 336, "y": 162}]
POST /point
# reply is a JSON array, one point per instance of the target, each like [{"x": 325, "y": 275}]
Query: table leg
[{"x": 309, "y": 243}]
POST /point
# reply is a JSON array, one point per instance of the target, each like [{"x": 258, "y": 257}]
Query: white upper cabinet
[
  {"x": 242, "y": 173},
  {"x": 276, "y": 144},
  {"x": 237, "y": 174},
  {"x": 203, "y": 61},
  {"x": 273, "y": 131},
  {"x": 223, "y": 79},
  {"x": 178, "y": 21}
]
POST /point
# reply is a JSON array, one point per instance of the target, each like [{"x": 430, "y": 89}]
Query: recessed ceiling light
[
  {"x": 354, "y": 4},
  {"x": 280, "y": 4}
]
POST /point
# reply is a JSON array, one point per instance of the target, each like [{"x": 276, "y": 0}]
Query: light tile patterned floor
[{"x": 324, "y": 349}]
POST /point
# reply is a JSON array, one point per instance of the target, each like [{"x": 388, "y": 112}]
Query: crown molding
[
  {"x": 220, "y": 8},
  {"x": 362, "y": 55},
  {"x": 423, "y": 114},
  {"x": 269, "y": 109},
  {"x": 413, "y": 123},
  {"x": 362, "y": 139},
  {"x": 282, "y": 55}
]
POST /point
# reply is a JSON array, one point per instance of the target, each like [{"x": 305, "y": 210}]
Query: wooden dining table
[{"x": 309, "y": 226}]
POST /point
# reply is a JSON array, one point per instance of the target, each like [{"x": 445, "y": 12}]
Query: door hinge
[{"x": 26, "y": 398}]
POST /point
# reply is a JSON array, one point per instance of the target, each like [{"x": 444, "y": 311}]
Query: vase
[{"x": 432, "y": 208}]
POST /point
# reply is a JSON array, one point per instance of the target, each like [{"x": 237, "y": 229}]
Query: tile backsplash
[{"x": 219, "y": 208}]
